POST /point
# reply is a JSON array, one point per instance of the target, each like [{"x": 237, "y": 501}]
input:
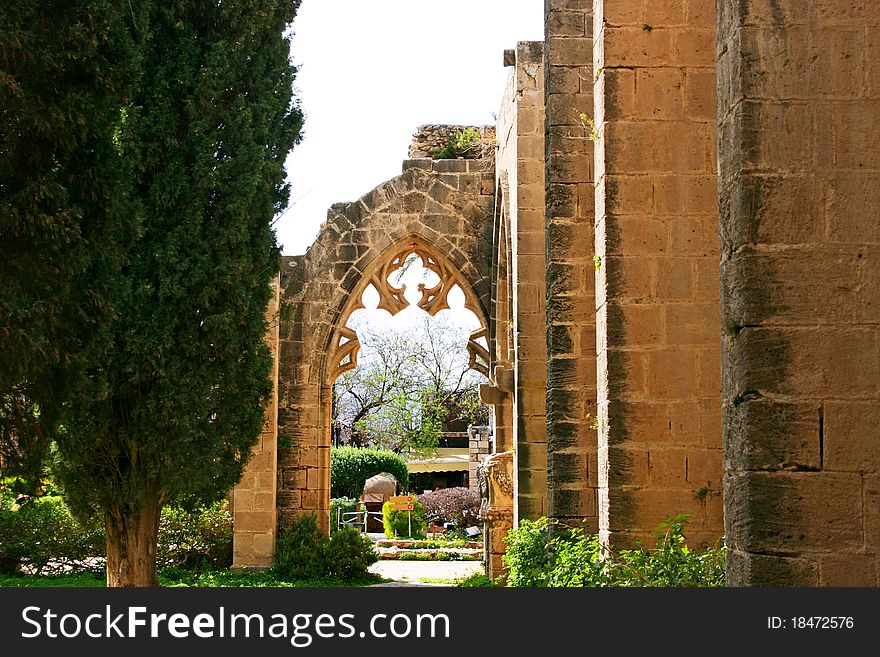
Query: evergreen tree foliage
[
  {"x": 180, "y": 374},
  {"x": 66, "y": 70}
]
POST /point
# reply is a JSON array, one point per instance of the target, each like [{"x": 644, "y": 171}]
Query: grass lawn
[{"x": 171, "y": 577}]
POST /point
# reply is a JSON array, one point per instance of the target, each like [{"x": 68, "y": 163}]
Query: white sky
[{"x": 371, "y": 71}]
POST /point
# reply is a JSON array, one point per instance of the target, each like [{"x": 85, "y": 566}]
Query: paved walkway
[{"x": 410, "y": 573}]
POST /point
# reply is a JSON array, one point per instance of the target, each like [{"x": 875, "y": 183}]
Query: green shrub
[
  {"x": 404, "y": 524},
  {"x": 477, "y": 580},
  {"x": 348, "y": 554},
  {"x": 539, "y": 555},
  {"x": 303, "y": 552},
  {"x": 41, "y": 537},
  {"x": 462, "y": 143},
  {"x": 299, "y": 550},
  {"x": 529, "y": 558},
  {"x": 350, "y": 467},
  {"x": 196, "y": 539},
  {"x": 671, "y": 563},
  {"x": 339, "y": 506}
]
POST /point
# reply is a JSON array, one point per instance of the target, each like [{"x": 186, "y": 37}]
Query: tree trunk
[{"x": 131, "y": 544}]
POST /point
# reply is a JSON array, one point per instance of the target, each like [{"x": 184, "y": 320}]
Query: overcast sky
[{"x": 371, "y": 71}]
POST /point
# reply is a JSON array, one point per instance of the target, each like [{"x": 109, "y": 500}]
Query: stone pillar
[
  {"x": 253, "y": 499},
  {"x": 497, "y": 511},
  {"x": 798, "y": 119},
  {"x": 569, "y": 213},
  {"x": 304, "y": 416},
  {"x": 656, "y": 268},
  {"x": 520, "y": 161}
]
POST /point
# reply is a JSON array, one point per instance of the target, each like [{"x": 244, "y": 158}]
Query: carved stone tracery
[{"x": 345, "y": 344}]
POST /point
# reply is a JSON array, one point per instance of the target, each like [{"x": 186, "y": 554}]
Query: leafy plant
[
  {"x": 477, "y": 580},
  {"x": 404, "y": 523},
  {"x": 461, "y": 143},
  {"x": 40, "y": 536},
  {"x": 540, "y": 554},
  {"x": 197, "y": 539},
  {"x": 303, "y": 552},
  {"x": 593, "y": 131}
]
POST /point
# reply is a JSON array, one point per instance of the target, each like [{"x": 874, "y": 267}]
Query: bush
[
  {"x": 404, "y": 524},
  {"x": 477, "y": 580},
  {"x": 298, "y": 550},
  {"x": 539, "y": 554},
  {"x": 339, "y": 506},
  {"x": 348, "y": 554},
  {"x": 41, "y": 537},
  {"x": 350, "y": 467},
  {"x": 303, "y": 552},
  {"x": 529, "y": 558},
  {"x": 196, "y": 539},
  {"x": 671, "y": 563},
  {"x": 458, "y": 505}
]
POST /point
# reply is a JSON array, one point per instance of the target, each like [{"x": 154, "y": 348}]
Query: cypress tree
[
  {"x": 177, "y": 390},
  {"x": 66, "y": 70}
]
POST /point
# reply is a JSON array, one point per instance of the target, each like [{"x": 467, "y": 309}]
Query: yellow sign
[
  {"x": 400, "y": 506},
  {"x": 402, "y": 499}
]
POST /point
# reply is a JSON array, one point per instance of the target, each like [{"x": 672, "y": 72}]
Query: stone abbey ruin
[{"x": 679, "y": 291}]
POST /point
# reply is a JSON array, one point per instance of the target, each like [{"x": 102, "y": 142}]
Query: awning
[{"x": 457, "y": 463}]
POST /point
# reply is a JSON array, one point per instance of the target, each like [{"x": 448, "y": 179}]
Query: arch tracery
[{"x": 345, "y": 344}]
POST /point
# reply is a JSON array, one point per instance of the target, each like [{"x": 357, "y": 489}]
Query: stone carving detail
[
  {"x": 478, "y": 355},
  {"x": 392, "y": 299},
  {"x": 346, "y": 353},
  {"x": 483, "y": 484}
]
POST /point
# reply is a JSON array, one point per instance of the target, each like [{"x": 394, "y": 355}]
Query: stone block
[
  {"x": 573, "y": 502},
  {"x": 566, "y": 23},
  {"x": 774, "y": 435},
  {"x": 572, "y": 51},
  {"x": 629, "y": 195},
  {"x": 692, "y": 324},
  {"x": 659, "y": 94},
  {"x": 254, "y": 521},
  {"x": 848, "y": 570},
  {"x": 637, "y": 47},
  {"x": 794, "y": 512},
  {"x": 673, "y": 279},
  {"x": 745, "y": 569},
  {"x": 810, "y": 362},
  {"x": 671, "y": 373},
  {"x": 852, "y": 436},
  {"x": 668, "y": 468},
  {"x": 704, "y": 469}
]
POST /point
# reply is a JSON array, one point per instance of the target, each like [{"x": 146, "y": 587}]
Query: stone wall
[
  {"x": 428, "y": 137},
  {"x": 569, "y": 216},
  {"x": 658, "y": 323},
  {"x": 520, "y": 163},
  {"x": 253, "y": 499},
  {"x": 798, "y": 118},
  {"x": 442, "y": 208}
]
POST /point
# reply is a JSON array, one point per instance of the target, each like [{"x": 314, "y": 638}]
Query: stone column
[
  {"x": 799, "y": 139},
  {"x": 569, "y": 213},
  {"x": 520, "y": 162},
  {"x": 497, "y": 511},
  {"x": 253, "y": 499},
  {"x": 657, "y": 278}
]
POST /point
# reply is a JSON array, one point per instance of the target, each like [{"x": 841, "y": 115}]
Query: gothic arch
[{"x": 442, "y": 210}]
